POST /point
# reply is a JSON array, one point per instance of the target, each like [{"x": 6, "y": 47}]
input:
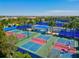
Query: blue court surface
[
  {"x": 44, "y": 37},
  {"x": 67, "y": 42},
  {"x": 60, "y": 40},
  {"x": 31, "y": 46},
  {"x": 70, "y": 43},
  {"x": 66, "y": 55}
]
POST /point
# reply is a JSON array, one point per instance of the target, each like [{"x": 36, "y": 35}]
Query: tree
[
  {"x": 37, "y": 19},
  {"x": 47, "y": 18},
  {"x": 7, "y": 46},
  {"x": 20, "y": 55},
  {"x": 52, "y": 24},
  {"x": 4, "y": 22}
]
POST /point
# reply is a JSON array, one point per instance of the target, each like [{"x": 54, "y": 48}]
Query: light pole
[{"x": 29, "y": 29}]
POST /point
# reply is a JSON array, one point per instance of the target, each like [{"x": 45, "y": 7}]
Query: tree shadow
[
  {"x": 2, "y": 55},
  {"x": 75, "y": 55}
]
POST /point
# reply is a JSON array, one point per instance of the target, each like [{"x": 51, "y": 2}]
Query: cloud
[
  {"x": 46, "y": 13},
  {"x": 72, "y": 0},
  {"x": 60, "y": 13}
]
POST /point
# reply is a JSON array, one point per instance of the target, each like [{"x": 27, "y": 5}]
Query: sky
[{"x": 39, "y": 7}]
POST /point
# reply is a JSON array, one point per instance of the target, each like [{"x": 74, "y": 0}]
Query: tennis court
[
  {"x": 22, "y": 33},
  {"x": 34, "y": 44},
  {"x": 66, "y": 42},
  {"x": 41, "y": 46},
  {"x": 20, "y": 36},
  {"x": 44, "y": 37},
  {"x": 27, "y": 33},
  {"x": 31, "y": 46},
  {"x": 69, "y": 49},
  {"x": 38, "y": 41},
  {"x": 9, "y": 33},
  {"x": 41, "y": 28},
  {"x": 17, "y": 31}
]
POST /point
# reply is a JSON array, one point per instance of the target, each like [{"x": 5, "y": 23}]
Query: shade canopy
[
  {"x": 41, "y": 27},
  {"x": 9, "y": 28},
  {"x": 42, "y": 23},
  {"x": 71, "y": 33},
  {"x": 24, "y": 26}
]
